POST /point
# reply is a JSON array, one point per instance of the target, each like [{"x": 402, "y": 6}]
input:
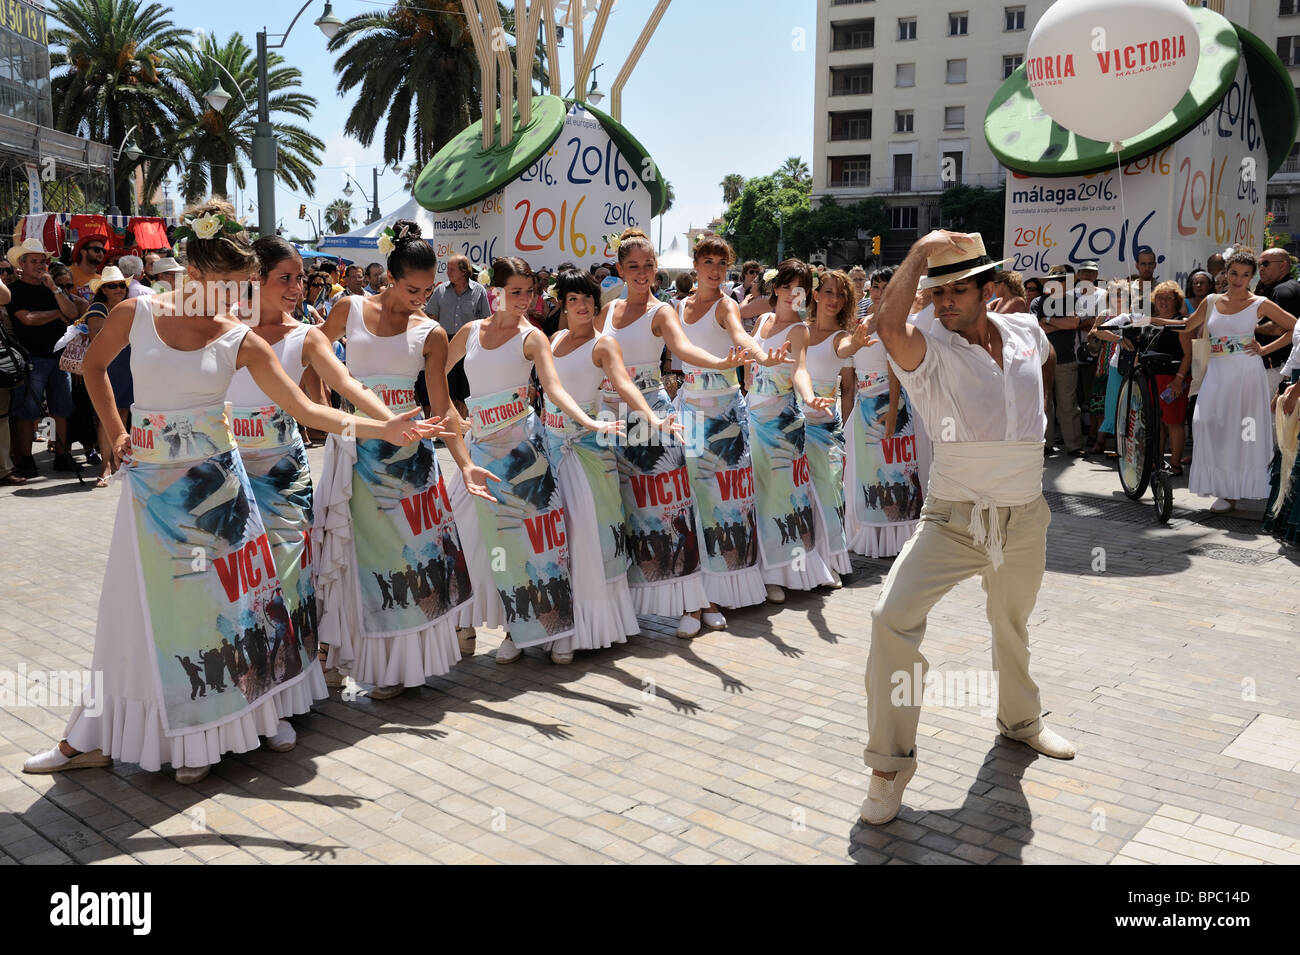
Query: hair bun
[
  {"x": 404, "y": 230},
  {"x": 632, "y": 232}
]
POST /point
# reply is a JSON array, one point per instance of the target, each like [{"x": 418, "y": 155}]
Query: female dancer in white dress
[
  {"x": 887, "y": 452},
  {"x": 586, "y": 467},
  {"x": 829, "y": 348},
  {"x": 716, "y": 419},
  {"x": 191, "y": 595},
  {"x": 269, "y": 441},
  {"x": 1232, "y": 425},
  {"x": 665, "y": 577},
  {"x": 389, "y": 566},
  {"x": 518, "y": 532},
  {"x": 790, "y": 547}
]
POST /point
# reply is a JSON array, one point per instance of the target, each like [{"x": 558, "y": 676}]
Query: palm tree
[
  {"x": 415, "y": 72},
  {"x": 338, "y": 216},
  {"x": 410, "y": 174},
  {"x": 108, "y": 55},
  {"x": 669, "y": 196},
  {"x": 732, "y": 185},
  {"x": 211, "y": 143},
  {"x": 794, "y": 171}
]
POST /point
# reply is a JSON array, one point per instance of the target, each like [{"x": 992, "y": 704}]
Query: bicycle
[{"x": 1137, "y": 418}]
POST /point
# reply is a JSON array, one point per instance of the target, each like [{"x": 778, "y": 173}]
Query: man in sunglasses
[{"x": 87, "y": 261}]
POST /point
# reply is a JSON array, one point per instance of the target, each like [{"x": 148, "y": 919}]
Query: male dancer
[{"x": 977, "y": 379}]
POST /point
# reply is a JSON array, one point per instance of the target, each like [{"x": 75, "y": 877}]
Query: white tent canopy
[
  {"x": 676, "y": 259},
  {"x": 361, "y": 245}
]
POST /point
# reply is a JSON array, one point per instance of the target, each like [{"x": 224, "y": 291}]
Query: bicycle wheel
[
  {"x": 1162, "y": 489},
  {"x": 1135, "y": 429}
]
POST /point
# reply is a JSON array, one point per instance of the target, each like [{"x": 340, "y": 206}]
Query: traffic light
[
  {"x": 875, "y": 245},
  {"x": 302, "y": 210}
]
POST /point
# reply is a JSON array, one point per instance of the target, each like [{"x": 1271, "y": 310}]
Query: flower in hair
[
  {"x": 769, "y": 275},
  {"x": 484, "y": 277},
  {"x": 207, "y": 226},
  {"x": 386, "y": 243},
  {"x": 612, "y": 240}
]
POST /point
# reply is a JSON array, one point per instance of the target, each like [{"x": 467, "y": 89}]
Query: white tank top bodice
[
  {"x": 168, "y": 379},
  {"x": 705, "y": 332},
  {"x": 244, "y": 391},
  {"x": 821, "y": 361},
  {"x": 638, "y": 342},
  {"x": 871, "y": 360},
  {"x": 579, "y": 375},
  {"x": 1236, "y": 325},
  {"x": 491, "y": 370},
  {"x": 371, "y": 355}
]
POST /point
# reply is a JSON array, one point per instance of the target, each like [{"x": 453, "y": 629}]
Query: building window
[
  {"x": 905, "y": 74},
  {"x": 956, "y": 71},
  {"x": 851, "y": 81},
  {"x": 1010, "y": 64},
  {"x": 854, "y": 172},
  {"x": 1013, "y": 19},
  {"x": 954, "y": 117},
  {"x": 907, "y": 28},
  {"x": 1288, "y": 8},
  {"x": 1288, "y": 50},
  {"x": 957, "y": 24},
  {"x": 902, "y": 218},
  {"x": 902, "y": 120},
  {"x": 856, "y": 125},
  {"x": 1277, "y": 208},
  {"x": 854, "y": 35},
  {"x": 951, "y": 169}
]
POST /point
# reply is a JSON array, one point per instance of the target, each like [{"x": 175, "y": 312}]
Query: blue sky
[{"x": 722, "y": 87}]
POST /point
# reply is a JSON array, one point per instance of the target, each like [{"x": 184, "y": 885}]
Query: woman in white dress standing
[
  {"x": 197, "y": 650},
  {"x": 665, "y": 577},
  {"x": 1232, "y": 425},
  {"x": 586, "y": 467},
  {"x": 390, "y": 570}
]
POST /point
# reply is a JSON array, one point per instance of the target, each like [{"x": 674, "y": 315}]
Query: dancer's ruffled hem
[
  {"x": 880, "y": 540},
  {"x": 815, "y": 573},
  {"x": 598, "y": 624},
  {"x": 132, "y": 730},
  {"x": 736, "y": 588},
  {"x": 669, "y": 598}
]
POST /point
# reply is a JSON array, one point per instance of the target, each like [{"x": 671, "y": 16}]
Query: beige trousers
[{"x": 939, "y": 556}]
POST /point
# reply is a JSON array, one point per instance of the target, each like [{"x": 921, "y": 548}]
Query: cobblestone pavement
[{"x": 1169, "y": 656}]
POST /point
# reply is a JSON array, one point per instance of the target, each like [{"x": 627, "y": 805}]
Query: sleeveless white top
[
  {"x": 638, "y": 341},
  {"x": 167, "y": 379},
  {"x": 871, "y": 360},
  {"x": 821, "y": 361},
  {"x": 371, "y": 355},
  {"x": 579, "y": 375},
  {"x": 244, "y": 391},
  {"x": 705, "y": 333},
  {"x": 492, "y": 370},
  {"x": 1219, "y": 325}
]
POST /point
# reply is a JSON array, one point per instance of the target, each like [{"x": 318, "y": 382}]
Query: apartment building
[{"x": 901, "y": 90}]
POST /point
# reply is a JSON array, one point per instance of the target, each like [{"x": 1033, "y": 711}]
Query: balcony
[
  {"x": 853, "y": 81},
  {"x": 853, "y": 35}
]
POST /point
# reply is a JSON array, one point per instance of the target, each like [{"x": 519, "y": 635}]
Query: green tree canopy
[{"x": 966, "y": 208}]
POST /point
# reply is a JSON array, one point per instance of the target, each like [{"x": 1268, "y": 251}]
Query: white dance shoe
[
  {"x": 775, "y": 595},
  {"x": 386, "y": 692},
  {"x": 1050, "y": 744},
  {"x": 54, "y": 761},
  {"x": 836, "y": 582},
  {"x": 562, "y": 657},
  {"x": 885, "y": 796},
  {"x": 688, "y": 627},
  {"x": 714, "y": 620},
  {"x": 1221, "y": 505},
  {"x": 508, "y": 652},
  {"x": 467, "y": 637},
  {"x": 189, "y": 775},
  {"x": 285, "y": 738}
]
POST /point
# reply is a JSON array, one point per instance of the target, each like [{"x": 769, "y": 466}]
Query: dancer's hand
[
  {"x": 891, "y": 422},
  {"x": 1252, "y": 348},
  {"x": 820, "y": 403},
  {"x": 734, "y": 358},
  {"x": 669, "y": 425},
  {"x": 405, "y": 429},
  {"x": 777, "y": 356},
  {"x": 476, "y": 481},
  {"x": 119, "y": 452}
]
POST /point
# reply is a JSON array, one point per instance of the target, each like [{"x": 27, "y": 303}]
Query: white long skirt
[
  {"x": 1233, "y": 430},
  {"x": 129, "y": 725}
]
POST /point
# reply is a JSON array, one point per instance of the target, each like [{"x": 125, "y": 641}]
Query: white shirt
[{"x": 962, "y": 394}]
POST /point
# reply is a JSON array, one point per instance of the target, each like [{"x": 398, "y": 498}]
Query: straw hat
[
  {"x": 953, "y": 265},
  {"x": 111, "y": 273},
  {"x": 164, "y": 265},
  {"x": 29, "y": 245}
]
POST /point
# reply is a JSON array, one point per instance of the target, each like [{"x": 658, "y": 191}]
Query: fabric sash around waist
[
  {"x": 1230, "y": 344},
  {"x": 647, "y": 378},
  {"x": 560, "y": 424},
  {"x": 262, "y": 429},
  {"x": 707, "y": 381},
  {"x": 989, "y": 475},
  {"x": 171, "y": 437},
  {"x": 489, "y": 414},
  {"x": 396, "y": 391},
  {"x": 872, "y": 381}
]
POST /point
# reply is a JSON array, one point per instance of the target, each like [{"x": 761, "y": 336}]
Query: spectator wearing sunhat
[
  {"x": 41, "y": 312},
  {"x": 165, "y": 273},
  {"x": 88, "y": 257}
]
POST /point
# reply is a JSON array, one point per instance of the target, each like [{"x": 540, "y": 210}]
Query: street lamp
[
  {"x": 780, "y": 242},
  {"x": 373, "y": 199},
  {"x": 264, "y": 146},
  {"x": 132, "y": 153},
  {"x": 594, "y": 95}
]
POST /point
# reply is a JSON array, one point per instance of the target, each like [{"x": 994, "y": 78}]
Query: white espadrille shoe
[
  {"x": 688, "y": 627},
  {"x": 508, "y": 652},
  {"x": 885, "y": 796},
  {"x": 285, "y": 738},
  {"x": 1050, "y": 743},
  {"x": 54, "y": 761}
]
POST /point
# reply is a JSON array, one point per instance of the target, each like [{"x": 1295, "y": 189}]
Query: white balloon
[{"x": 1111, "y": 69}]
